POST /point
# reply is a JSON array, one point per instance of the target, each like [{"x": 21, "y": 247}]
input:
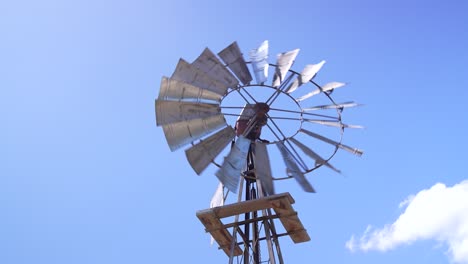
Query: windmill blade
[
  {"x": 332, "y": 106},
  {"x": 230, "y": 172},
  {"x": 168, "y": 112},
  {"x": 352, "y": 150},
  {"x": 307, "y": 74},
  {"x": 190, "y": 74},
  {"x": 263, "y": 168},
  {"x": 331, "y": 123},
  {"x": 210, "y": 64},
  {"x": 309, "y": 152},
  {"x": 259, "y": 60},
  {"x": 182, "y": 133},
  {"x": 203, "y": 153},
  {"x": 332, "y": 85},
  {"x": 284, "y": 62},
  {"x": 293, "y": 169},
  {"x": 326, "y": 88},
  {"x": 172, "y": 89},
  {"x": 233, "y": 58}
]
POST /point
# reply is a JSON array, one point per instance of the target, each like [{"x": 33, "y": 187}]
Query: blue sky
[{"x": 87, "y": 177}]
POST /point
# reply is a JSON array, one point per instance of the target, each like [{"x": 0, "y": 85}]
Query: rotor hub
[{"x": 251, "y": 120}]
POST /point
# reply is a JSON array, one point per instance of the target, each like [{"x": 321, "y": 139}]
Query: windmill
[{"x": 306, "y": 130}]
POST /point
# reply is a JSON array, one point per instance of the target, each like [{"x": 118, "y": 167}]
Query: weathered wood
[
  {"x": 280, "y": 203},
  {"x": 291, "y": 221},
  {"x": 221, "y": 235},
  {"x": 251, "y": 205}
]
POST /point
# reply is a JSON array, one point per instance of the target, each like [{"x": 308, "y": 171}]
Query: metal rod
[
  {"x": 247, "y": 227},
  {"x": 266, "y": 224},
  {"x": 279, "y": 90},
  {"x": 264, "y": 238},
  {"x": 304, "y": 113},
  {"x": 275, "y": 238},
  {"x": 234, "y": 235},
  {"x": 245, "y": 99},
  {"x": 297, "y": 157},
  {"x": 232, "y": 107},
  {"x": 253, "y": 98},
  {"x": 255, "y": 244}
]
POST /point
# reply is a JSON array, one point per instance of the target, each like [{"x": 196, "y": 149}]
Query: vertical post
[
  {"x": 247, "y": 226},
  {"x": 266, "y": 225},
  {"x": 255, "y": 241},
  {"x": 234, "y": 230}
]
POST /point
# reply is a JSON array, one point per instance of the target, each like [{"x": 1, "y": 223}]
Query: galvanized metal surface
[
  {"x": 284, "y": 62},
  {"x": 232, "y": 57},
  {"x": 307, "y": 74},
  {"x": 190, "y": 74},
  {"x": 203, "y": 153},
  {"x": 332, "y": 106},
  {"x": 188, "y": 109},
  {"x": 263, "y": 167},
  {"x": 182, "y": 133},
  {"x": 352, "y": 150},
  {"x": 230, "y": 172},
  {"x": 293, "y": 169},
  {"x": 178, "y": 90},
  {"x": 259, "y": 60},
  {"x": 325, "y": 88},
  {"x": 309, "y": 152},
  {"x": 168, "y": 112},
  {"x": 211, "y": 65}
]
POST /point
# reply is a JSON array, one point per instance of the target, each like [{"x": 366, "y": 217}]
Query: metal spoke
[
  {"x": 251, "y": 97},
  {"x": 278, "y": 90},
  {"x": 286, "y": 118},
  {"x": 245, "y": 99},
  {"x": 303, "y": 113},
  {"x": 297, "y": 157}
]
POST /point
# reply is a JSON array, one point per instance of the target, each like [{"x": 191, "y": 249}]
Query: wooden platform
[{"x": 280, "y": 203}]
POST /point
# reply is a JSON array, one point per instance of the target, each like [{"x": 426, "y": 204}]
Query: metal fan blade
[
  {"x": 352, "y": 150},
  {"x": 293, "y": 169},
  {"x": 172, "y": 89},
  {"x": 284, "y": 62},
  {"x": 332, "y": 85},
  {"x": 302, "y": 98},
  {"x": 168, "y": 112},
  {"x": 307, "y": 74},
  {"x": 332, "y": 106},
  {"x": 210, "y": 64},
  {"x": 326, "y": 88},
  {"x": 190, "y": 74},
  {"x": 259, "y": 62},
  {"x": 233, "y": 58},
  {"x": 331, "y": 123},
  {"x": 263, "y": 168},
  {"x": 182, "y": 133},
  {"x": 309, "y": 152},
  {"x": 200, "y": 155},
  {"x": 230, "y": 172}
]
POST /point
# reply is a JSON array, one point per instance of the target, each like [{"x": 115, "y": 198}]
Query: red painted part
[{"x": 241, "y": 125}]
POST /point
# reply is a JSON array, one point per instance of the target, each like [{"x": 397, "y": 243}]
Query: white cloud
[{"x": 439, "y": 213}]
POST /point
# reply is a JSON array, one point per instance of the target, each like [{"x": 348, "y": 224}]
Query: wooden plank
[
  {"x": 251, "y": 205},
  {"x": 281, "y": 203},
  {"x": 220, "y": 234},
  {"x": 290, "y": 221}
]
